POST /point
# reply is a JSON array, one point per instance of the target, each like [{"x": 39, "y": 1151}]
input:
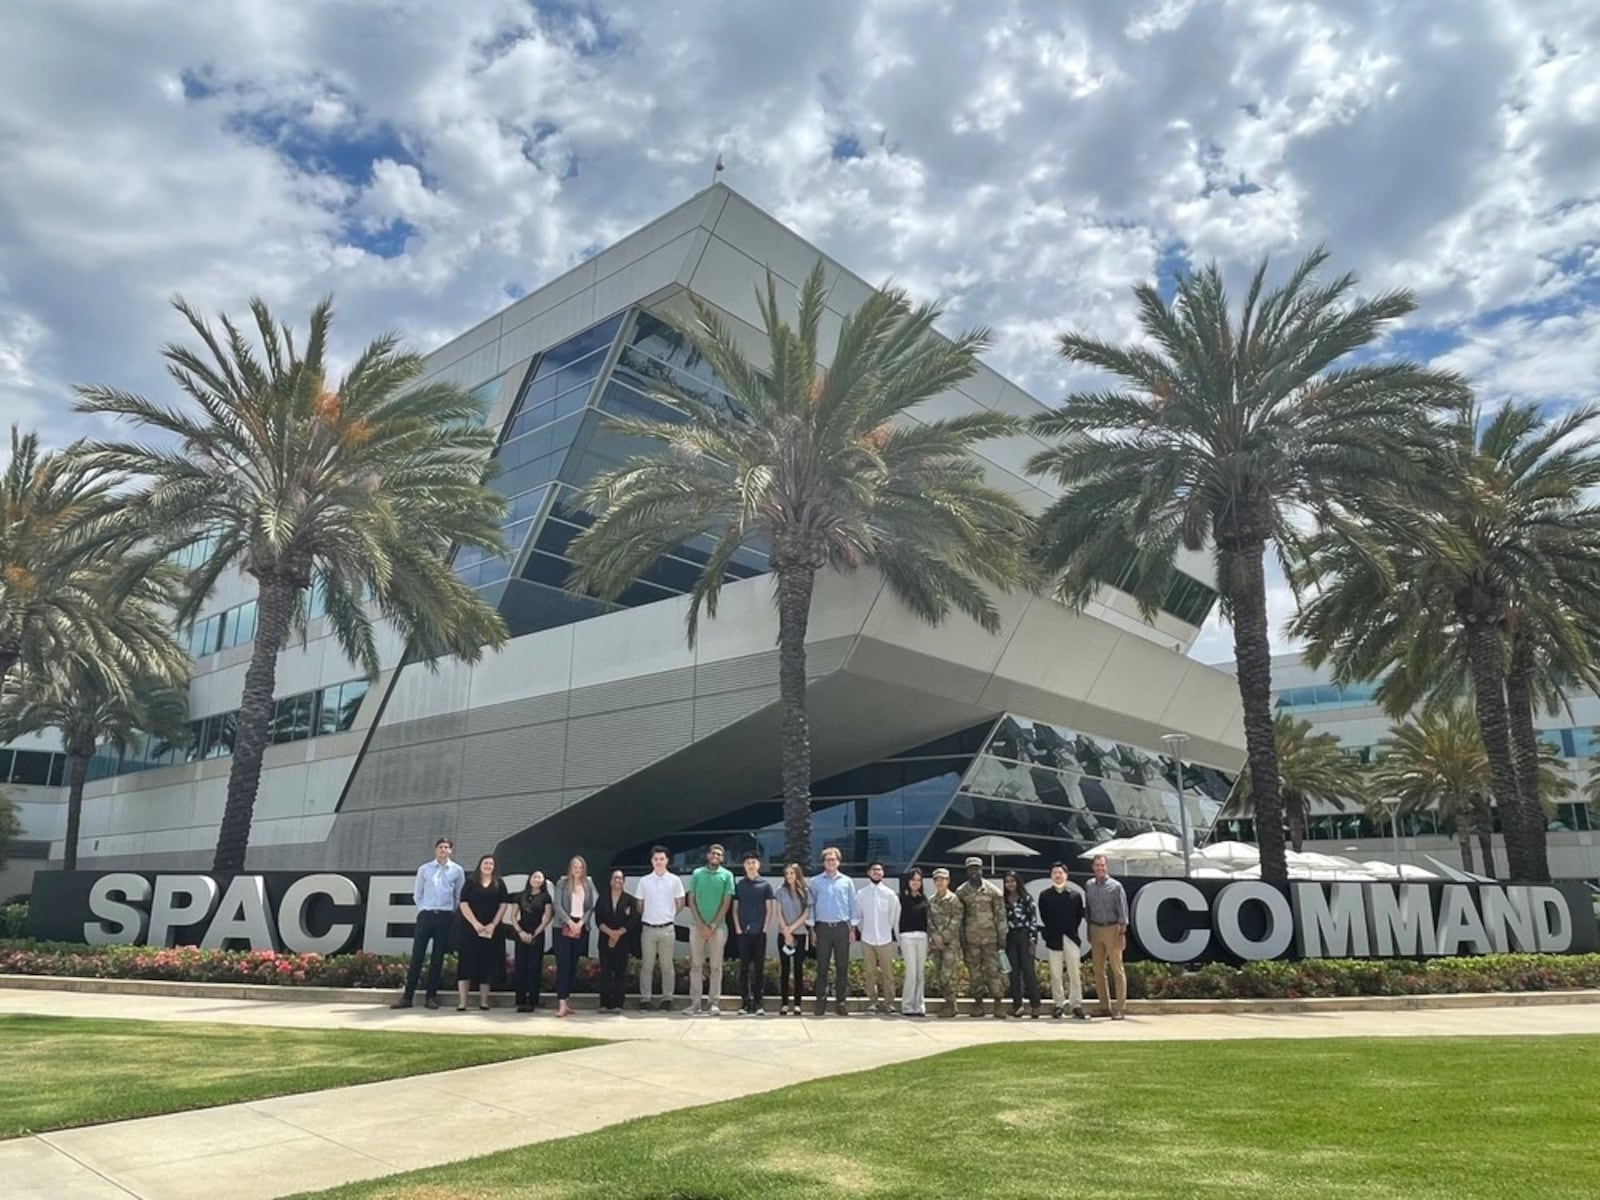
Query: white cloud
[{"x": 1025, "y": 160}]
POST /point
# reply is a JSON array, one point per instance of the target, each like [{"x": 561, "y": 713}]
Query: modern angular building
[
  {"x": 1350, "y": 713},
  {"x": 597, "y": 730}
]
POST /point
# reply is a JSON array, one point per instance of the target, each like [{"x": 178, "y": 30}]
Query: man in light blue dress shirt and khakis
[{"x": 834, "y": 915}]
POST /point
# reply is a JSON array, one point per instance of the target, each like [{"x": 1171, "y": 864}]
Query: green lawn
[
  {"x": 57, "y": 1072},
  {"x": 1437, "y": 1118}
]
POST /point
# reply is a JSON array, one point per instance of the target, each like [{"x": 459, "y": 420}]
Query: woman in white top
[{"x": 576, "y": 896}]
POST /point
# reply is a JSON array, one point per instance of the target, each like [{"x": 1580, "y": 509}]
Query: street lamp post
[{"x": 1175, "y": 742}]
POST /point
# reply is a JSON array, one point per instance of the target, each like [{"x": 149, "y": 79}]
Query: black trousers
[
  {"x": 528, "y": 973},
  {"x": 433, "y": 925},
  {"x": 613, "y": 971},
  {"x": 752, "y": 969},
  {"x": 567, "y": 951},
  {"x": 833, "y": 945},
  {"x": 1020, "y": 949},
  {"x": 795, "y": 965}
]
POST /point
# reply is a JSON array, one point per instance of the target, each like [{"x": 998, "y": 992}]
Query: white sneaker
[
  {"x": 692, "y": 1011},
  {"x": 714, "y": 1011}
]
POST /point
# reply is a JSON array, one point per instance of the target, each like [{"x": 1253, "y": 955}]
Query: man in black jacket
[{"x": 1061, "y": 914}]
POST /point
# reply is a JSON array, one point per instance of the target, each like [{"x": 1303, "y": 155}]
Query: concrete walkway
[{"x": 653, "y": 1064}]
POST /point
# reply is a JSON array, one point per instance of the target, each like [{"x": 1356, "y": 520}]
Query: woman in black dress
[
  {"x": 483, "y": 901},
  {"x": 615, "y": 915},
  {"x": 1022, "y": 933},
  {"x": 530, "y": 917}
]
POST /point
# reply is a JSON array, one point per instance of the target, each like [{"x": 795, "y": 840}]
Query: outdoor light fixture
[{"x": 1175, "y": 742}]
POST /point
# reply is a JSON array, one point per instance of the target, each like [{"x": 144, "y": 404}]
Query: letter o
[{"x": 1280, "y": 920}]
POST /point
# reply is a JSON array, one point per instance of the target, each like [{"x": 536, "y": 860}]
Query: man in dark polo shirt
[{"x": 754, "y": 909}]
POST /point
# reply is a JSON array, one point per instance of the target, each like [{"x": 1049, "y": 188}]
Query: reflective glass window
[{"x": 31, "y": 767}]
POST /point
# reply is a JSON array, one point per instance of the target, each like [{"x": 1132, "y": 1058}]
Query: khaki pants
[
  {"x": 702, "y": 951},
  {"x": 1068, "y": 962},
  {"x": 877, "y": 974},
  {"x": 656, "y": 947},
  {"x": 1105, "y": 942}
]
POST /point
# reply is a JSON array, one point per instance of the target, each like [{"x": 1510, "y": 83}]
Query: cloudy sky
[{"x": 427, "y": 162}]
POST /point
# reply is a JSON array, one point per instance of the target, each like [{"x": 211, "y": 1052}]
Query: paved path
[{"x": 275, "y": 1147}]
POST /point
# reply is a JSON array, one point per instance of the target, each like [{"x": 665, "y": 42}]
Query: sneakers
[
  {"x": 403, "y": 1002},
  {"x": 783, "y": 1011},
  {"x": 821, "y": 1010},
  {"x": 692, "y": 1010},
  {"x": 758, "y": 1012},
  {"x": 714, "y": 1011},
  {"x": 1033, "y": 1013},
  {"x": 431, "y": 1002},
  {"x": 1079, "y": 1015},
  {"x": 665, "y": 1005},
  {"x": 1059, "y": 1010},
  {"x": 745, "y": 1012},
  {"x": 842, "y": 1009}
]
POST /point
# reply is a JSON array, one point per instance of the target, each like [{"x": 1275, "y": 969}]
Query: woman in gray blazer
[{"x": 576, "y": 896}]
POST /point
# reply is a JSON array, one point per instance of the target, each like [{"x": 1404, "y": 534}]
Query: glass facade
[
  {"x": 330, "y": 709},
  {"x": 1051, "y": 788},
  {"x": 555, "y": 441}
]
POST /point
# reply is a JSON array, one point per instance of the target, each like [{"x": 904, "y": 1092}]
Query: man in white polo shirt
[{"x": 660, "y": 897}]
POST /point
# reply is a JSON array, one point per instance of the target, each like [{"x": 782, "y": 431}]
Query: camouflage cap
[
  {"x": 973, "y": 861},
  {"x": 941, "y": 873}
]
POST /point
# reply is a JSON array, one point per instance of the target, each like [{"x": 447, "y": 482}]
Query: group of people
[{"x": 993, "y": 929}]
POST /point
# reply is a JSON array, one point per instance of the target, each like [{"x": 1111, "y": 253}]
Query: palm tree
[
  {"x": 821, "y": 467},
  {"x": 359, "y": 488},
  {"x": 1489, "y": 590},
  {"x": 1232, "y": 434},
  {"x": 56, "y": 561},
  {"x": 10, "y": 826},
  {"x": 1313, "y": 769},
  {"x": 87, "y": 713},
  {"x": 1436, "y": 761}
]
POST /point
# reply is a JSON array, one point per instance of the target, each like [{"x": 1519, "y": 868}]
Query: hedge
[{"x": 1146, "y": 980}]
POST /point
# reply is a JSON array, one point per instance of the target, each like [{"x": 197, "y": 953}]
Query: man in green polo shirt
[{"x": 710, "y": 893}]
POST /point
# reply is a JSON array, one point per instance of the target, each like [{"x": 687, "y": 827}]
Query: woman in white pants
[{"x": 913, "y": 936}]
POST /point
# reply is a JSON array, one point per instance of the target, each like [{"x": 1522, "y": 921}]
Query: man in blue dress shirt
[
  {"x": 437, "y": 894},
  {"x": 834, "y": 917}
]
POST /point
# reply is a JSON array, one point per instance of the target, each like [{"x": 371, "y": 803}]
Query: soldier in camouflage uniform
[
  {"x": 983, "y": 932},
  {"x": 944, "y": 938}
]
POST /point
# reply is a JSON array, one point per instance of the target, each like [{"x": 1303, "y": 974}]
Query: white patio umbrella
[
  {"x": 1386, "y": 870},
  {"x": 1456, "y": 873},
  {"x": 1143, "y": 847},
  {"x": 993, "y": 844},
  {"x": 1230, "y": 855},
  {"x": 1211, "y": 873}
]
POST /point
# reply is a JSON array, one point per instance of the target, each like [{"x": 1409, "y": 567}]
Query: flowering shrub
[{"x": 1146, "y": 980}]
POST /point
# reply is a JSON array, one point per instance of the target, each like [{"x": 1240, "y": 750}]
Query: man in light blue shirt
[
  {"x": 834, "y": 915},
  {"x": 437, "y": 893}
]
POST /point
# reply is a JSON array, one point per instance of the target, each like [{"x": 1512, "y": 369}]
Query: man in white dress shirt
[{"x": 880, "y": 918}]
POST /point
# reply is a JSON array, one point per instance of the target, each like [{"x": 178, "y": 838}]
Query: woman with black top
[
  {"x": 913, "y": 937},
  {"x": 615, "y": 913},
  {"x": 530, "y": 918},
  {"x": 483, "y": 900},
  {"x": 1022, "y": 931}
]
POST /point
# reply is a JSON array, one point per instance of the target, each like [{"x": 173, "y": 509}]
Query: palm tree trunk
[
  {"x": 77, "y": 773},
  {"x": 1252, "y": 652},
  {"x": 275, "y": 608},
  {"x": 1294, "y": 808},
  {"x": 795, "y": 584},
  {"x": 1525, "y": 749},
  {"x": 8, "y": 659},
  {"x": 1484, "y": 659},
  {"x": 1483, "y": 821}
]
